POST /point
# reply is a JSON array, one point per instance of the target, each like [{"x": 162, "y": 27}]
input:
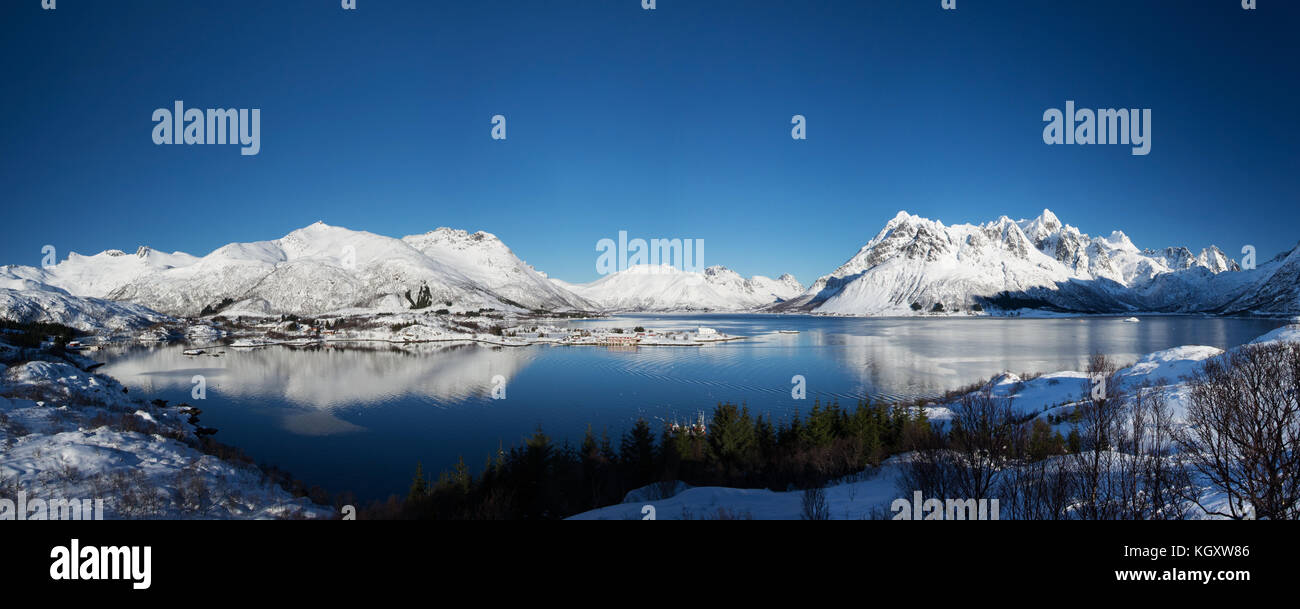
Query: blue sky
[{"x": 666, "y": 123}]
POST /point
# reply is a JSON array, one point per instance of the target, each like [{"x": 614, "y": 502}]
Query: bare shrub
[
  {"x": 133, "y": 494},
  {"x": 1243, "y": 431},
  {"x": 193, "y": 496},
  {"x": 984, "y": 431},
  {"x": 813, "y": 504},
  {"x": 1101, "y": 416},
  {"x": 1037, "y": 490}
]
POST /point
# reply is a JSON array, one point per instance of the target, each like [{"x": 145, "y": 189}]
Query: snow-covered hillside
[
  {"x": 488, "y": 262},
  {"x": 917, "y": 265},
  {"x": 99, "y": 275},
  {"x": 74, "y": 292},
  {"x": 70, "y": 433},
  {"x": 666, "y": 288},
  {"x": 42, "y": 303},
  {"x": 312, "y": 270}
]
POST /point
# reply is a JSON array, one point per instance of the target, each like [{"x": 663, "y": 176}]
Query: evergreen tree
[
  {"x": 419, "y": 484},
  {"x": 462, "y": 478},
  {"x": 637, "y": 454},
  {"x": 731, "y": 437}
]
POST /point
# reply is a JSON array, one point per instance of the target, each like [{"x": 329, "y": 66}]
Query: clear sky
[{"x": 666, "y": 123}]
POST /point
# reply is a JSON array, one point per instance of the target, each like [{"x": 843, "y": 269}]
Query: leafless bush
[
  {"x": 1037, "y": 490},
  {"x": 1243, "y": 432},
  {"x": 67, "y": 473},
  {"x": 12, "y": 428},
  {"x": 929, "y": 470},
  {"x": 722, "y": 513},
  {"x": 193, "y": 497},
  {"x": 132, "y": 494},
  {"x": 814, "y": 505},
  {"x": 1150, "y": 480},
  {"x": 9, "y": 487},
  {"x": 984, "y": 433},
  {"x": 1101, "y": 416}
]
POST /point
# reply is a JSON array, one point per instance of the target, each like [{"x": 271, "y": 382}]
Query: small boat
[
  {"x": 788, "y": 331},
  {"x": 1132, "y": 320},
  {"x": 192, "y": 352}
]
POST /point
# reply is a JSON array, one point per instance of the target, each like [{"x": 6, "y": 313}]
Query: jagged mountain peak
[
  {"x": 1048, "y": 219},
  {"x": 915, "y": 264},
  {"x": 1045, "y": 226},
  {"x": 1120, "y": 240},
  {"x": 463, "y": 235}
]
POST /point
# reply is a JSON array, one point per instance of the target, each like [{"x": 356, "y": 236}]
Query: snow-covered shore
[
  {"x": 490, "y": 328},
  {"x": 870, "y": 494},
  {"x": 67, "y": 433}
]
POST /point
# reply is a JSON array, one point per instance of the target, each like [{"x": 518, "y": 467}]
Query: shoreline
[{"x": 69, "y": 432}]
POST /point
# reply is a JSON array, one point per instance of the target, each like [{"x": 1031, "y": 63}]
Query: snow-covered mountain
[
  {"x": 1275, "y": 292},
  {"x": 913, "y": 265},
  {"x": 487, "y": 261},
  {"x": 52, "y": 305},
  {"x": 312, "y": 270},
  {"x": 667, "y": 288},
  {"x": 920, "y": 265},
  {"x": 99, "y": 275}
]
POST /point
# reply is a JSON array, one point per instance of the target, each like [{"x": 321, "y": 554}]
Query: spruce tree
[{"x": 419, "y": 484}]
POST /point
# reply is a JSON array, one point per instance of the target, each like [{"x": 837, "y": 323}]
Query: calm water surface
[{"x": 359, "y": 418}]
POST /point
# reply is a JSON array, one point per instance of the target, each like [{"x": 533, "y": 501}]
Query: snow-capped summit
[
  {"x": 311, "y": 270},
  {"x": 99, "y": 275},
  {"x": 667, "y": 288},
  {"x": 913, "y": 265},
  {"x": 485, "y": 259},
  {"x": 1216, "y": 261},
  {"x": 919, "y": 265},
  {"x": 1042, "y": 227}
]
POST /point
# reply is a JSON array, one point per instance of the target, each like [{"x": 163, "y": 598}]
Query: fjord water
[{"x": 358, "y": 417}]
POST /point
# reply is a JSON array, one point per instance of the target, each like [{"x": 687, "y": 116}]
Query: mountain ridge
[
  {"x": 913, "y": 265},
  {"x": 917, "y": 265}
]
